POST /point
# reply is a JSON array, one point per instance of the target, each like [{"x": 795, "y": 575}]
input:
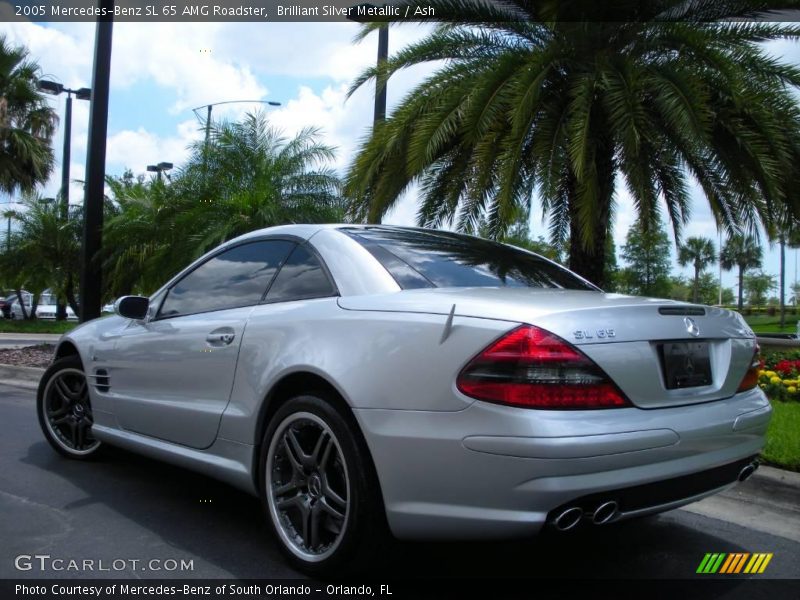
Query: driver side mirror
[{"x": 132, "y": 307}]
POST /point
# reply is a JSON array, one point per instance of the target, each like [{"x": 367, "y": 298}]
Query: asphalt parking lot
[{"x": 125, "y": 507}]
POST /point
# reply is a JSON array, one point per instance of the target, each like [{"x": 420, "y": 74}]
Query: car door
[{"x": 172, "y": 374}]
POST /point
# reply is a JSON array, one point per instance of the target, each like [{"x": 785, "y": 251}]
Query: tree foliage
[
  {"x": 698, "y": 252},
  {"x": 758, "y": 285},
  {"x": 647, "y": 252},
  {"x": 27, "y": 122},
  {"x": 529, "y": 98},
  {"x": 743, "y": 253},
  {"x": 246, "y": 176}
]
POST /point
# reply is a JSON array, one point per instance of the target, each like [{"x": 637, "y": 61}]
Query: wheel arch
[
  {"x": 294, "y": 384},
  {"x": 67, "y": 348}
]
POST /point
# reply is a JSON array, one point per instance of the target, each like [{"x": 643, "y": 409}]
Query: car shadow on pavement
[{"x": 143, "y": 506}]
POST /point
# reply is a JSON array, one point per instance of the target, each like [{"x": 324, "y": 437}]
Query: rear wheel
[
  {"x": 319, "y": 489},
  {"x": 64, "y": 409}
]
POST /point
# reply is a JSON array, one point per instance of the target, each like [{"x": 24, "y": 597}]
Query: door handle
[{"x": 220, "y": 339}]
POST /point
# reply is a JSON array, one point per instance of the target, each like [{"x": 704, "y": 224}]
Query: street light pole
[
  {"x": 91, "y": 271},
  {"x": 208, "y": 108},
  {"x": 160, "y": 168},
  {"x": 52, "y": 87}
]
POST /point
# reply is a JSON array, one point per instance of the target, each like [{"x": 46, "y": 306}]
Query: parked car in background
[
  {"x": 14, "y": 310},
  {"x": 443, "y": 386},
  {"x": 45, "y": 309},
  {"x": 5, "y": 306}
]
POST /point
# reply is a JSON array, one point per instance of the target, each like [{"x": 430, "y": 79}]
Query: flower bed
[{"x": 779, "y": 376}]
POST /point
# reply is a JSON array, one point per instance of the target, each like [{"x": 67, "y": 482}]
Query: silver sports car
[{"x": 366, "y": 380}]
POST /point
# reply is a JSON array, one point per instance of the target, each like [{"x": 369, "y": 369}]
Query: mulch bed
[{"x": 30, "y": 356}]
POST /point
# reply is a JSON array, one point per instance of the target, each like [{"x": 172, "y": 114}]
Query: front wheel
[
  {"x": 64, "y": 410},
  {"x": 319, "y": 488}
]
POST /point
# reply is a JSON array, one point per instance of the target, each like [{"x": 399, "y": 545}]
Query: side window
[
  {"x": 236, "y": 277},
  {"x": 301, "y": 277}
]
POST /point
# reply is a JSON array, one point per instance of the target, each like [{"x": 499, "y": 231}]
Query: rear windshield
[{"x": 419, "y": 258}]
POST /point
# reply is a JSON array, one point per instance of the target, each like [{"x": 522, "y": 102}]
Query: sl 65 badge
[{"x": 585, "y": 334}]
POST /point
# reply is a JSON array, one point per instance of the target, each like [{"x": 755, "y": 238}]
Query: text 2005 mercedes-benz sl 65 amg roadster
[{"x": 365, "y": 380}]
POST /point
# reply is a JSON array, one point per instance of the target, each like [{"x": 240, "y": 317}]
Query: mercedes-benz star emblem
[{"x": 691, "y": 327}]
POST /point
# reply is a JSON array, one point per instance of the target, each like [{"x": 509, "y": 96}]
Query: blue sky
[{"x": 160, "y": 71}]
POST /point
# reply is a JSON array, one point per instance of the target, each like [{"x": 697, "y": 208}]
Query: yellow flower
[
  {"x": 770, "y": 373},
  {"x": 775, "y": 379},
  {"x": 791, "y": 389}
]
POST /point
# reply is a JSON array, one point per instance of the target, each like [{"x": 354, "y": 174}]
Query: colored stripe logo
[{"x": 734, "y": 563}]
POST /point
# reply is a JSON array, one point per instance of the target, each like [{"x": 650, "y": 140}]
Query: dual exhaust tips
[{"x": 569, "y": 518}]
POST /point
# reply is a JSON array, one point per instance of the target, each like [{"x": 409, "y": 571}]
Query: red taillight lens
[
  {"x": 533, "y": 368},
  {"x": 750, "y": 379}
]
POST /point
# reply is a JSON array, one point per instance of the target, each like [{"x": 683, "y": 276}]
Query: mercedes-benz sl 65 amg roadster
[{"x": 365, "y": 380}]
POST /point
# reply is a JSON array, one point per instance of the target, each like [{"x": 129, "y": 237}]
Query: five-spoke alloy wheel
[
  {"x": 64, "y": 409},
  {"x": 318, "y": 486}
]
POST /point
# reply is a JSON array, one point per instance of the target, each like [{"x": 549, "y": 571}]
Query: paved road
[{"x": 127, "y": 507}]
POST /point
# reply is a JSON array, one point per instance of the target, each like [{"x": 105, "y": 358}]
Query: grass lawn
[
  {"x": 767, "y": 324},
  {"x": 18, "y": 326},
  {"x": 783, "y": 436}
]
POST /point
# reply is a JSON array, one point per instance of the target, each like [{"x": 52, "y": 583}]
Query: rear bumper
[{"x": 491, "y": 471}]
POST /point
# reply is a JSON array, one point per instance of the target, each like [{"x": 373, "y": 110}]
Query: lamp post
[
  {"x": 209, "y": 107},
  {"x": 91, "y": 271},
  {"x": 54, "y": 88},
  {"x": 160, "y": 168},
  {"x": 51, "y": 87}
]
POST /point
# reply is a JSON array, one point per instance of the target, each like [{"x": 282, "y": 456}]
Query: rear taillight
[
  {"x": 750, "y": 379},
  {"x": 533, "y": 368}
]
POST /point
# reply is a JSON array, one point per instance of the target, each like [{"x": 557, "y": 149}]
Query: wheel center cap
[{"x": 315, "y": 486}]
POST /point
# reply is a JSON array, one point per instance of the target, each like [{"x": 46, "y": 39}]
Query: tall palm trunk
[
  {"x": 783, "y": 281},
  {"x": 21, "y": 304},
  {"x": 696, "y": 282},
  {"x": 588, "y": 260},
  {"x": 741, "y": 286}
]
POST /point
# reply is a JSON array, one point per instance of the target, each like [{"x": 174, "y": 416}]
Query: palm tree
[
  {"x": 248, "y": 176},
  {"x": 27, "y": 123},
  {"x": 50, "y": 247},
  {"x": 699, "y": 252},
  {"x": 244, "y": 177},
  {"x": 560, "y": 98},
  {"x": 743, "y": 252},
  {"x": 143, "y": 244}
]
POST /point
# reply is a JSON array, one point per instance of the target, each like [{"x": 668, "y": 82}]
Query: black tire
[
  {"x": 64, "y": 409},
  {"x": 314, "y": 487}
]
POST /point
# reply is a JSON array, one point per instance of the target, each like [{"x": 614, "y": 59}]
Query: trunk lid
[{"x": 660, "y": 353}]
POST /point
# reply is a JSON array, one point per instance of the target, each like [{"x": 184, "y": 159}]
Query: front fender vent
[{"x": 102, "y": 382}]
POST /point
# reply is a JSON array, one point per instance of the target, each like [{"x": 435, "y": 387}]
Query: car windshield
[{"x": 419, "y": 258}]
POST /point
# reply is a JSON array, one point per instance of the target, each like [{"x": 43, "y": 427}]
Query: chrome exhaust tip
[
  {"x": 748, "y": 470},
  {"x": 568, "y": 518},
  {"x": 605, "y": 512}
]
